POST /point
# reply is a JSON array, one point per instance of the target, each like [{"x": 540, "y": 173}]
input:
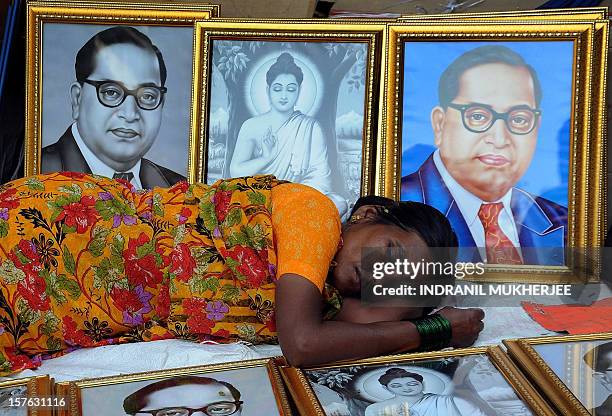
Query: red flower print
[
  {"x": 182, "y": 262},
  {"x": 194, "y": 306},
  {"x": 19, "y": 362},
  {"x": 222, "y": 203},
  {"x": 271, "y": 322},
  {"x": 221, "y": 333},
  {"x": 163, "y": 302},
  {"x": 199, "y": 324},
  {"x": 126, "y": 300},
  {"x": 143, "y": 270},
  {"x": 8, "y": 199},
  {"x": 251, "y": 265},
  {"x": 184, "y": 215},
  {"x": 74, "y": 336},
  {"x": 133, "y": 303},
  {"x": 75, "y": 175},
  {"x": 80, "y": 214},
  {"x": 181, "y": 186},
  {"x": 32, "y": 289},
  {"x": 28, "y": 250}
]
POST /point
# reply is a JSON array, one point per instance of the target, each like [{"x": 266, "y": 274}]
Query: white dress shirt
[
  {"x": 97, "y": 166},
  {"x": 469, "y": 205}
]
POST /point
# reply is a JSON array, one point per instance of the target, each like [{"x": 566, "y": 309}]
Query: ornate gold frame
[
  {"x": 372, "y": 33},
  {"x": 530, "y": 362},
  {"x": 72, "y": 389},
  {"x": 308, "y": 404},
  {"x": 37, "y": 387},
  {"x": 579, "y": 13},
  {"x": 91, "y": 12},
  {"x": 586, "y": 224}
]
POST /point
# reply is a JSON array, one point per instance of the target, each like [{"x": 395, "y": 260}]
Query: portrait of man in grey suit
[{"x": 116, "y": 100}]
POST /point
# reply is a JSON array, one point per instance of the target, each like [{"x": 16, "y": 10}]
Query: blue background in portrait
[{"x": 424, "y": 62}]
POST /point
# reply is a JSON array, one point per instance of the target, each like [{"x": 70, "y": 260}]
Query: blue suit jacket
[{"x": 540, "y": 222}]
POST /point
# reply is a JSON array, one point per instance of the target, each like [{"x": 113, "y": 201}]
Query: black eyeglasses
[
  {"x": 113, "y": 94},
  {"x": 479, "y": 118},
  {"x": 213, "y": 409}
]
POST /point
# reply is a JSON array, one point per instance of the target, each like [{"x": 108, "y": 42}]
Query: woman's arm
[
  {"x": 307, "y": 340},
  {"x": 243, "y": 163}
]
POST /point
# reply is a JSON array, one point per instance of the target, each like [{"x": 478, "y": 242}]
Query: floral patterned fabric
[
  {"x": 223, "y": 264},
  {"x": 88, "y": 261}
]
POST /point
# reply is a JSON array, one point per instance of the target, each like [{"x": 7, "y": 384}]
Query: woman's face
[
  {"x": 284, "y": 92},
  {"x": 347, "y": 275},
  {"x": 405, "y": 386}
]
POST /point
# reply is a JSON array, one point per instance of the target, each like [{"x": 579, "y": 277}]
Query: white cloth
[
  {"x": 302, "y": 154},
  {"x": 500, "y": 323},
  {"x": 143, "y": 357},
  {"x": 469, "y": 205},
  {"x": 97, "y": 166}
]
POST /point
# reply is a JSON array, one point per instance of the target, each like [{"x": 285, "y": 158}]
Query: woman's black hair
[
  {"x": 429, "y": 223},
  {"x": 395, "y": 372},
  {"x": 285, "y": 64}
]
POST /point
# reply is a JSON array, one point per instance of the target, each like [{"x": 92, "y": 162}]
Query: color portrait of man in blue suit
[{"x": 485, "y": 130}]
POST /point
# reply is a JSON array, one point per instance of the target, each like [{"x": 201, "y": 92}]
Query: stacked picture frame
[
  {"x": 359, "y": 107},
  {"x": 531, "y": 376}
]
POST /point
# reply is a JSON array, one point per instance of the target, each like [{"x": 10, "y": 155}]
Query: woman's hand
[{"x": 466, "y": 324}]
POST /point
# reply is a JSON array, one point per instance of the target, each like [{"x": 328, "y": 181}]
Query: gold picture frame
[
  {"x": 586, "y": 214},
  {"x": 577, "y": 13},
  {"x": 568, "y": 382},
  {"x": 266, "y": 40},
  {"x": 48, "y": 104},
  {"x": 357, "y": 380},
  {"x": 251, "y": 388},
  {"x": 33, "y": 393}
]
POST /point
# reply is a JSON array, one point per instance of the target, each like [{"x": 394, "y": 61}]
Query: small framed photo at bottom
[
  {"x": 242, "y": 388},
  {"x": 29, "y": 396},
  {"x": 574, "y": 371},
  {"x": 474, "y": 382}
]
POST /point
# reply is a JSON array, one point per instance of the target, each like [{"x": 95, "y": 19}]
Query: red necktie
[{"x": 500, "y": 249}]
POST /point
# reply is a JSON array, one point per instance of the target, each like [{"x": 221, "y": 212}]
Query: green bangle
[{"x": 435, "y": 331}]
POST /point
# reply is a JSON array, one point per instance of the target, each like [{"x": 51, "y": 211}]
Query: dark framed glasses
[
  {"x": 113, "y": 94},
  {"x": 212, "y": 409},
  {"x": 478, "y": 118}
]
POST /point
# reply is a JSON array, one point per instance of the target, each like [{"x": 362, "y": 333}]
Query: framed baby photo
[
  {"x": 474, "y": 381},
  {"x": 506, "y": 166},
  {"x": 109, "y": 89},
  {"x": 29, "y": 396},
  {"x": 296, "y": 100},
  {"x": 247, "y": 388},
  {"x": 574, "y": 372}
]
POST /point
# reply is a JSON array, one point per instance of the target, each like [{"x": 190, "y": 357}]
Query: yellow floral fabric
[
  {"x": 223, "y": 260},
  {"x": 78, "y": 267},
  {"x": 88, "y": 261}
]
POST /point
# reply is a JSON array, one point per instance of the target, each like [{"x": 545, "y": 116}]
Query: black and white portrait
[
  {"x": 291, "y": 109},
  {"x": 8, "y": 403},
  {"x": 116, "y": 101},
  {"x": 585, "y": 367},
  {"x": 464, "y": 386},
  {"x": 245, "y": 392}
]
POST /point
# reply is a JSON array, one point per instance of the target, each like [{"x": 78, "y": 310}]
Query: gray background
[
  {"x": 61, "y": 43},
  {"x": 253, "y": 384}
]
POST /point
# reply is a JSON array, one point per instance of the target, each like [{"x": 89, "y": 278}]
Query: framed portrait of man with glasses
[
  {"x": 485, "y": 131},
  {"x": 114, "y": 93},
  {"x": 242, "y": 388}
]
